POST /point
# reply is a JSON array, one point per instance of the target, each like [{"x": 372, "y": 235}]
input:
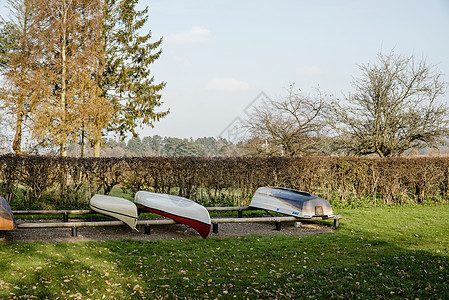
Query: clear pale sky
[{"x": 219, "y": 55}]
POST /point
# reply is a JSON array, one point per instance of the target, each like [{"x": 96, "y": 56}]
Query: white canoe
[
  {"x": 116, "y": 207},
  {"x": 291, "y": 202},
  {"x": 177, "y": 208}
]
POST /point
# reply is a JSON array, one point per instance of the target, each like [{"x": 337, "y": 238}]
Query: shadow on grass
[
  {"x": 375, "y": 253},
  {"x": 255, "y": 266}
]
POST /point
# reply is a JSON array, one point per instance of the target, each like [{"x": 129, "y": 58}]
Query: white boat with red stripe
[{"x": 180, "y": 209}]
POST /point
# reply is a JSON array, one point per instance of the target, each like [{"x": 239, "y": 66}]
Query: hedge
[{"x": 43, "y": 182}]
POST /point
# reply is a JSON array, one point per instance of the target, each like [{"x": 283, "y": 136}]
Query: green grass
[{"x": 376, "y": 253}]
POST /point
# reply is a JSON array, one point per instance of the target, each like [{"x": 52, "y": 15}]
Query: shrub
[{"x": 57, "y": 182}]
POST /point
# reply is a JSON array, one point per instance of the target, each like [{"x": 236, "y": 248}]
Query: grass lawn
[{"x": 375, "y": 253}]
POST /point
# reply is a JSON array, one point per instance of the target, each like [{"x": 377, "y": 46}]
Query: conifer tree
[{"x": 126, "y": 78}]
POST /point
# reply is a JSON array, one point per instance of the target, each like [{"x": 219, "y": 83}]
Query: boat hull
[
  {"x": 177, "y": 208},
  {"x": 119, "y": 208},
  {"x": 291, "y": 202},
  {"x": 7, "y": 221}
]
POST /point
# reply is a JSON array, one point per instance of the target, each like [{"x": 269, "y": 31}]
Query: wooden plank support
[
  {"x": 51, "y": 212},
  {"x": 92, "y": 224},
  {"x": 69, "y": 224},
  {"x": 336, "y": 222},
  {"x": 147, "y": 223},
  {"x": 87, "y": 211},
  {"x": 166, "y": 222},
  {"x": 253, "y": 219},
  {"x": 156, "y": 222},
  {"x": 239, "y": 209},
  {"x": 277, "y": 221},
  {"x": 234, "y": 208},
  {"x": 278, "y": 226}
]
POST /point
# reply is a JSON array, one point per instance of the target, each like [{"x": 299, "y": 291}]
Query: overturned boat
[
  {"x": 6, "y": 217},
  {"x": 177, "y": 208},
  {"x": 116, "y": 207},
  {"x": 291, "y": 202}
]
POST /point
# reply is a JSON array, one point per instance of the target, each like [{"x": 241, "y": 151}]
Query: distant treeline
[
  {"x": 204, "y": 147},
  {"x": 162, "y": 146}
]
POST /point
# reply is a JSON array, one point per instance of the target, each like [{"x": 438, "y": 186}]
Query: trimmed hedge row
[{"x": 55, "y": 182}]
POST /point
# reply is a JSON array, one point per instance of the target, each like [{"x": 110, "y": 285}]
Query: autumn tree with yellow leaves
[
  {"x": 85, "y": 70},
  {"x": 16, "y": 63}
]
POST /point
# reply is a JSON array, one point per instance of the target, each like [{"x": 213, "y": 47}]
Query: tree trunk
[
  {"x": 64, "y": 85},
  {"x": 63, "y": 150},
  {"x": 16, "y": 145},
  {"x": 97, "y": 149},
  {"x": 82, "y": 144}
]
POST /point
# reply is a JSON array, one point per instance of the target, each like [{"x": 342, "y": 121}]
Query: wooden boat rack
[{"x": 147, "y": 223}]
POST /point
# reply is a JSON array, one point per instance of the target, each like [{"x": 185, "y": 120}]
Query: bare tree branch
[
  {"x": 394, "y": 108},
  {"x": 289, "y": 126}
]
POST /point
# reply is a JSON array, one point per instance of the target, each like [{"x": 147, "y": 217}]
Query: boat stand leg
[
  {"x": 74, "y": 231},
  {"x": 240, "y": 213},
  {"x": 278, "y": 226},
  {"x": 65, "y": 217},
  {"x": 215, "y": 227},
  {"x": 147, "y": 229},
  {"x": 336, "y": 223}
]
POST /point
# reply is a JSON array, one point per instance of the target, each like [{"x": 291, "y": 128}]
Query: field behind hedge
[{"x": 41, "y": 182}]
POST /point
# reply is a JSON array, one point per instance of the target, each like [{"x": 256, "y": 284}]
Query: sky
[{"x": 221, "y": 57}]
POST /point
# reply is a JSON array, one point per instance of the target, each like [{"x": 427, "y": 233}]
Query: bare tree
[
  {"x": 289, "y": 126},
  {"x": 394, "y": 108}
]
